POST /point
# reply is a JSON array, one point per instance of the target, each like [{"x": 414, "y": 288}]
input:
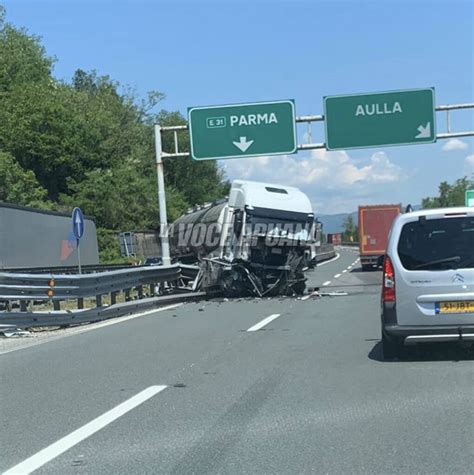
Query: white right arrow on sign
[
  {"x": 425, "y": 132},
  {"x": 243, "y": 145}
]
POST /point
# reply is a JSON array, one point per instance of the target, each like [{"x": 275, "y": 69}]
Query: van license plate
[{"x": 455, "y": 307}]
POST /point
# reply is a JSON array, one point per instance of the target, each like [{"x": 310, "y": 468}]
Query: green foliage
[
  {"x": 351, "y": 231},
  {"x": 20, "y": 186},
  {"x": 450, "y": 195},
  {"x": 22, "y": 58},
  {"x": 123, "y": 198},
  {"x": 88, "y": 143},
  {"x": 109, "y": 247}
]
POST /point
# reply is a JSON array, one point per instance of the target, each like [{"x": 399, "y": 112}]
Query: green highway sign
[
  {"x": 470, "y": 198},
  {"x": 379, "y": 119},
  {"x": 242, "y": 130}
]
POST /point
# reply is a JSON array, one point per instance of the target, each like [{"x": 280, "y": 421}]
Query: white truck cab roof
[{"x": 266, "y": 195}]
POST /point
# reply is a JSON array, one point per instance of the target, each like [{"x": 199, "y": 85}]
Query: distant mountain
[{"x": 333, "y": 223}]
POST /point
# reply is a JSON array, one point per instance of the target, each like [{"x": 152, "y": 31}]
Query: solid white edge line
[
  {"x": 327, "y": 282},
  {"x": 337, "y": 276},
  {"x": 113, "y": 321},
  {"x": 335, "y": 258},
  {"x": 89, "y": 327},
  {"x": 264, "y": 322},
  {"x": 62, "y": 445}
]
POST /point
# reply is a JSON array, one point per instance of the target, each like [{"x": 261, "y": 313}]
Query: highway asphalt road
[{"x": 191, "y": 390}]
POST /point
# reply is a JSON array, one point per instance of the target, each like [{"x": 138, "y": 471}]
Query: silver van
[{"x": 428, "y": 279}]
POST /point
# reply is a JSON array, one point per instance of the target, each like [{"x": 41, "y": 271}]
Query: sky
[{"x": 222, "y": 52}]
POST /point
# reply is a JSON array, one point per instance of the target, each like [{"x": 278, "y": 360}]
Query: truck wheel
[
  {"x": 299, "y": 288},
  {"x": 391, "y": 349}
]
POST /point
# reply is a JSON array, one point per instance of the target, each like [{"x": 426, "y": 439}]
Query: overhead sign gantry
[
  {"x": 242, "y": 130},
  {"x": 404, "y": 117}
]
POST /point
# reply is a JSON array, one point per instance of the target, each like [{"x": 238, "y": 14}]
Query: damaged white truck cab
[{"x": 265, "y": 231}]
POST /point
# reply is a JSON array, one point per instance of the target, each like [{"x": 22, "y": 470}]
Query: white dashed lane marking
[
  {"x": 57, "y": 448},
  {"x": 264, "y": 322}
]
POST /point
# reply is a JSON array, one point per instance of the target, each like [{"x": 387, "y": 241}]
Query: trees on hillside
[
  {"x": 88, "y": 142},
  {"x": 351, "y": 230},
  {"x": 20, "y": 186},
  {"x": 450, "y": 195}
]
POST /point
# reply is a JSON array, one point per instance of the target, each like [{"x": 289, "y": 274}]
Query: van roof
[{"x": 441, "y": 212}]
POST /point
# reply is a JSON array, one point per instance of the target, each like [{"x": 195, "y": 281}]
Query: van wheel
[{"x": 391, "y": 349}]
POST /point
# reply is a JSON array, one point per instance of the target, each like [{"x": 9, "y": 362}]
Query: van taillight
[{"x": 388, "y": 288}]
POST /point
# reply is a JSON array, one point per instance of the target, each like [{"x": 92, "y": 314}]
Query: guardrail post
[
  {"x": 98, "y": 300},
  {"x": 113, "y": 298},
  {"x": 80, "y": 303},
  {"x": 140, "y": 291},
  {"x": 56, "y": 305},
  {"x": 23, "y": 305},
  {"x": 152, "y": 290},
  {"x": 127, "y": 295}
]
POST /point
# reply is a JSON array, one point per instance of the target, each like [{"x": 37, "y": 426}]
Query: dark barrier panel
[{"x": 34, "y": 238}]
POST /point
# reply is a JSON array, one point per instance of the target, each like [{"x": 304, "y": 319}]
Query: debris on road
[
  {"x": 316, "y": 293},
  {"x": 337, "y": 293},
  {"x": 15, "y": 333}
]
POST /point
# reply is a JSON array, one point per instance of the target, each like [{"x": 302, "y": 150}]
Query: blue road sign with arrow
[{"x": 77, "y": 223}]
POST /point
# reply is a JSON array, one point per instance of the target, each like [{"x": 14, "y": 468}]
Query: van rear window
[{"x": 437, "y": 244}]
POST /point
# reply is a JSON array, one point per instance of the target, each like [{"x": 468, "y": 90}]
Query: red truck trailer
[
  {"x": 335, "y": 238},
  {"x": 374, "y": 225}
]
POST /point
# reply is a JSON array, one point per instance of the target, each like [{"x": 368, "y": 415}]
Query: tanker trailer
[{"x": 254, "y": 243}]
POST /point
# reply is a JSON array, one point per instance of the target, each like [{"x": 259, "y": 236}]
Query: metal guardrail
[
  {"x": 350, "y": 244},
  {"x": 325, "y": 256},
  {"x": 46, "y": 319},
  {"x": 325, "y": 252},
  {"x": 86, "y": 269},
  {"x": 33, "y": 288},
  {"x": 15, "y": 286}
]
